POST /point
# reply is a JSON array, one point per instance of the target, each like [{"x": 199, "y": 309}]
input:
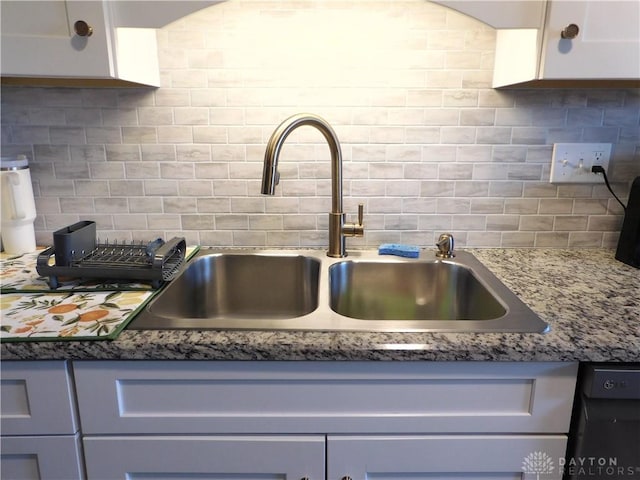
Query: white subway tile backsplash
[
  {"x": 175, "y": 134},
  {"x": 536, "y": 223},
  {"x": 163, "y": 222},
  {"x": 487, "y": 206},
  {"x": 435, "y": 222},
  {"x": 107, "y": 170},
  {"x": 90, "y": 188},
  {"x": 556, "y": 206},
  {"x": 195, "y": 188},
  {"x": 215, "y": 238},
  {"x": 460, "y": 98},
  {"x": 77, "y": 205},
  {"x": 521, "y": 206},
  {"x": 386, "y": 170},
  {"x": 458, "y": 135},
  {"x": 179, "y": 170},
  {"x": 161, "y": 187},
  {"x": 141, "y": 170},
  {"x": 130, "y": 222},
  {"x": 493, "y": 135},
  {"x": 122, "y": 153},
  {"x": 158, "y": 153},
  {"x": 437, "y": 189},
  {"x": 417, "y": 205},
  {"x": 137, "y": 135},
  {"x": 26, "y": 134},
  {"x": 146, "y": 205},
  {"x": 249, "y": 238},
  {"x": 181, "y": 205},
  {"x": 552, "y": 239},
  {"x": 585, "y": 239},
  {"x": 124, "y": 188},
  {"x": 570, "y": 223},
  {"x": 474, "y": 153},
  {"x": 51, "y": 187},
  {"x": 469, "y": 222},
  {"x": 427, "y": 144},
  {"x": 194, "y": 153},
  {"x": 111, "y": 205},
  {"x": 197, "y": 222},
  {"x": 401, "y": 223},
  {"x": 421, "y": 171},
  {"x": 518, "y": 239},
  {"x": 211, "y": 170},
  {"x": 230, "y": 188},
  {"x": 590, "y": 206},
  {"x": 454, "y": 206},
  {"x": 455, "y": 171},
  {"x": 471, "y": 188},
  {"x": 71, "y": 170},
  {"x": 505, "y": 189},
  {"x": 604, "y": 223},
  {"x": 502, "y": 222},
  {"x": 403, "y": 188}
]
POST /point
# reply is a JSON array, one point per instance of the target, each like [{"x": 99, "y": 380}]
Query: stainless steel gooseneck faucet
[{"x": 338, "y": 228}]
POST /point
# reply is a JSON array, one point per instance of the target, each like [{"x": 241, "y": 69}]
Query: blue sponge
[{"x": 409, "y": 251}]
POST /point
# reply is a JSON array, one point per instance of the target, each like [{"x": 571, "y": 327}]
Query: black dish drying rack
[{"x": 78, "y": 255}]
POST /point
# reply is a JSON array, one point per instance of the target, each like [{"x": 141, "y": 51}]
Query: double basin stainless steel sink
[{"x": 306, "y": 290}]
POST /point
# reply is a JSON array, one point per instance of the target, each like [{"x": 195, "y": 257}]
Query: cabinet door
[
  {"x": 37, "y": 398},
  {"x": 41, "y": 458},
  {"x": 206, "y": 457},
  {"x": 481, "y": 457},
  {"x": 607, "y": 44},
  {"x": 38, "y": 39}
]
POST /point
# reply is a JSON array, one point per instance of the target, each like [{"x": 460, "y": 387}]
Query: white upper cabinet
[
  {"x": 606, "y": 45},
  {"x": 86, "y": 39},
  {"x": 601, "y": 41}
]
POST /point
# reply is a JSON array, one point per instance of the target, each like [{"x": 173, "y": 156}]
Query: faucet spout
[{"x": 338, "y": 229}]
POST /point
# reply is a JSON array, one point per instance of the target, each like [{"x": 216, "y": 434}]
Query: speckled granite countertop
[{"x": 591, "y": 301}]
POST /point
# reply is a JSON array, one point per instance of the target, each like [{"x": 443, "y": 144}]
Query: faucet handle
[{"x": 355, "y": 229}]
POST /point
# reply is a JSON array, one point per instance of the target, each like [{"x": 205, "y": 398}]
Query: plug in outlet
[{"x": 572, "y": 162}]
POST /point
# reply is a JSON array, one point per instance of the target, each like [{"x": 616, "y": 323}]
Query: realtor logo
[{"x": 537, "y": 463}]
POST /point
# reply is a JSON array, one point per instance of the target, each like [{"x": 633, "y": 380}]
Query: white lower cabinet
[
  {"x": 317, "y": 420},
  {"x": 40, "y": 431}
]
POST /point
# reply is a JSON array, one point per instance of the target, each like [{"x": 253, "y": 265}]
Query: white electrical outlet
[{"x": 572, "y": 162}]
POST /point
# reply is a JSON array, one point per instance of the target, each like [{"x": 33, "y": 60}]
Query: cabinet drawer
[
  {"x": 200, "y": 457},
  {"x": 37, "y": 457},
  {"x": 37, "y": 399},
  {"x": 480, "y": 457},
  {"x": 329, "y": 397}
]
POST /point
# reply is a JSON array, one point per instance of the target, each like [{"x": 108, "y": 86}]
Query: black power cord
[{"x": 599, "y": 169}]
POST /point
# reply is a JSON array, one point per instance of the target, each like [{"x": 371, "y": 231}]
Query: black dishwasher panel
[{"x": 604, "y": 442}]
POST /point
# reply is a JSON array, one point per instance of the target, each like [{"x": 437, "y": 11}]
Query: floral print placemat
[{"x": 68, "y": 316}]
